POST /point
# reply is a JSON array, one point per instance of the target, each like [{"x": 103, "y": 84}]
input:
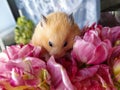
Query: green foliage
[{"x": 23, "y": 30}]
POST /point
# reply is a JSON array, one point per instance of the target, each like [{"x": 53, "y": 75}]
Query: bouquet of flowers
[{"x": 93, "y": 64}]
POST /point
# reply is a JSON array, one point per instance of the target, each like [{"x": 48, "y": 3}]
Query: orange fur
[{"x": 58, "y": 29}]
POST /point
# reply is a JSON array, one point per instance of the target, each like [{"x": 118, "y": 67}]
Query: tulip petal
[
  {"x": 86, "y": 73},
  {"x": 97, "y": 57},
  {"x": 92, "y": 37},
  {"x": 60, "y": 79},
  {"x": 82, "y": 50}
]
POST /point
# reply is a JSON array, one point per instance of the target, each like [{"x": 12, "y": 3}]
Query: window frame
[{"x": 13, "y": 8}]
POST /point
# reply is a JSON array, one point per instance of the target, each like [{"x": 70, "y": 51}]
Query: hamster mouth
[
  {"x": 58, "y": 56},
  {"x": 62, "y": 54}
]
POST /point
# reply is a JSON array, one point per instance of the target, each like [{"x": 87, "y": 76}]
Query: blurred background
[{"x": 19, "y": 17}]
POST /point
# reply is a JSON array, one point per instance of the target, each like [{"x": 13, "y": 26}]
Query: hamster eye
[
  {"x": 50, "y": 44},
  {"x": 65, "y": 44}
]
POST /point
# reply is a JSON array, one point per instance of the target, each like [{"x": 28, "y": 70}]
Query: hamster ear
[
  {"x": 71, "y": 18},
  {"x": 43, "y": 20}
]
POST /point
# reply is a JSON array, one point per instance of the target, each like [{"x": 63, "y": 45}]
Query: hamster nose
[
  {"x": 57, "y": 52},
  {"x": 59, "y": 55}
]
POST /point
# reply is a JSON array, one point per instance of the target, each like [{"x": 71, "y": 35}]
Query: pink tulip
[
  {"x": 19, "y": 51},
  {"x": 115, "y": 63},
  {"x": 116, "y": 70},
  {"x": 113, "y": 34},
  {"x": 59, "y": 77},
  {"x": 96, "y": 77},
  {"x": 21, "y": 68},
  {"x": 69, "y": 64},
  {"x": 27, "y": 71},
  {"x": 90, "y": 49}
]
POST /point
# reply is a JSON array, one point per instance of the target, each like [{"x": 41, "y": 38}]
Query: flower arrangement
[{"x": 92, "y": 64}]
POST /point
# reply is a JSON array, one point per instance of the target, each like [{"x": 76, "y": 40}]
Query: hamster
[{"x": 55, "y": 33}]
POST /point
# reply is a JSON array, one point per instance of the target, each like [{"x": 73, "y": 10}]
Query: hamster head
[{"x": 56, "y": 33}]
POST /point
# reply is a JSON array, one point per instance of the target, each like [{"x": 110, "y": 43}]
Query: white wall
[{"x": 6, "y": 17}]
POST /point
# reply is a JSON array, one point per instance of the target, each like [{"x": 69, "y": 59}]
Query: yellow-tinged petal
[
  {"x": 117, "y": 43},
  {"x": 7, "y": 86},
  {"x": 116, "y": 68}
]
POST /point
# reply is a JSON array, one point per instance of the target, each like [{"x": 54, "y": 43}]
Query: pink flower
[
  {"x": 23, "y": 70},
  {"x": 19, "y": 51},
  {"x": 113, "y": 34},
  {"x": 96, "y": 77},
  {"x": 59, "y": 76},
  {"x": 20, "y": 66},
  {"x": 116, "y": 70},
  {"x": 90, "y": 49},
  {"x": 115, "y": 63},
  {"x": 29, "y": 71}
]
